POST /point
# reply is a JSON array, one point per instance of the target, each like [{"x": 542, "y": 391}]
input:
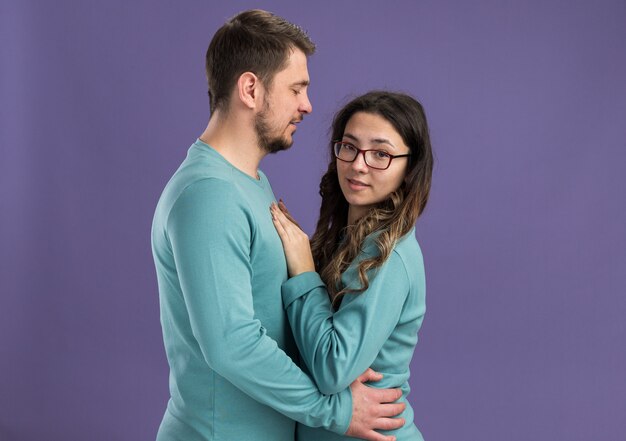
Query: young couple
[{"x": 243, "y": 293}]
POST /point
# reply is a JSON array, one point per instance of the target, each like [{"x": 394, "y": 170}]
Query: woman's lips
[{"x": 356, "y": 185}]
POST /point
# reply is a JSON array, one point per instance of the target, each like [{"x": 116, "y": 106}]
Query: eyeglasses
[{"x": 378, "y": 159}]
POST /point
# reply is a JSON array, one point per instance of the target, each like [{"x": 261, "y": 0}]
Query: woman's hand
[{"x": 295, "y": 241}]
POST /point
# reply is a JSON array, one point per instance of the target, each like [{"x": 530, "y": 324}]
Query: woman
[{"x": 367, "y": 303}]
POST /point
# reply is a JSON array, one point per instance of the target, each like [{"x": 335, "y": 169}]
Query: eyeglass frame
[{"x": 362, "y": 151}]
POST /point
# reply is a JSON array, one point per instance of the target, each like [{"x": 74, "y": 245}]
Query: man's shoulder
[
  {"x": 199, "y": 172},
  {"x": 197, "y": 168},
  {"x": 200, "y": 185},
  {"x": 212, "y": 192}
]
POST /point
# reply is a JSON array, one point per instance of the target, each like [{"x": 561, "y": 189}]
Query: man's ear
[{"x": 249, "y": 89}]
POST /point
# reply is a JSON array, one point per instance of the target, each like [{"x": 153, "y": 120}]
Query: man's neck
[{"x": 236, "y": 142}]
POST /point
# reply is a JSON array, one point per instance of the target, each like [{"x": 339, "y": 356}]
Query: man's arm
[{"x": 210, "y": 238}]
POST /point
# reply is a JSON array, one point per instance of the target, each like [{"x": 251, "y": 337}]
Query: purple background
[{"x": 524, "y": 236}]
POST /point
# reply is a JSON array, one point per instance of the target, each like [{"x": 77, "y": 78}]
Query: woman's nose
[{"x": 359, "y": 162}]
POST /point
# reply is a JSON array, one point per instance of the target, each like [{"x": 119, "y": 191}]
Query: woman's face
[{"x": 364, "y": 186}]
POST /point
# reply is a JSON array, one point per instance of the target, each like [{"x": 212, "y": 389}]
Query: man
[{"x": 220, "y": 263}]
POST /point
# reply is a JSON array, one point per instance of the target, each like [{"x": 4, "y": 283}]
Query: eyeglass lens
[{"x": 373, "y": 158}]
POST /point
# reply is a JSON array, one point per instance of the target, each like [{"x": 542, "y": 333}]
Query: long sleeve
[
  {"x": 210, "y": 231},
  {"x": 339, "y": 346}
]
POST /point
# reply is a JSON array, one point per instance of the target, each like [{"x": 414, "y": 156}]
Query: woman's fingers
[
  {"x": 282, "y": 233},
  {"x": 283, "y": 218},
  {"x": 295, "y": 243},
  {"x": 283, "y": 209},
  {"x": 287, "y": 230},
  {"x": 282, "y": 206},
  {"x": 291, "y": 231}
]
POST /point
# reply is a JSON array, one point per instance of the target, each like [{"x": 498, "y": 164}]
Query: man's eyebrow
[{"x": 302, "y": 83}]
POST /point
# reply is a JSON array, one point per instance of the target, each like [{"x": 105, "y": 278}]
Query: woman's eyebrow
[
  {"x": 373, "y": 141},
  {"x": 382, "y": 141},
  {"x": 351, "y": 136}
]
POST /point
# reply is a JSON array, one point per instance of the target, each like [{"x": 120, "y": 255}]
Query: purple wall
[{"x": 524, "y": 237}]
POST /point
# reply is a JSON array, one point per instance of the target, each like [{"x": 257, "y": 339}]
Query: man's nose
[{"x": 306, "y": 106}]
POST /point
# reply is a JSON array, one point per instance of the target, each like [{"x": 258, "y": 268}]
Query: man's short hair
[{"x": 252, "y": 41}]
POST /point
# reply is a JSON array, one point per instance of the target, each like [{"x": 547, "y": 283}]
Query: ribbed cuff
[
  {"x": 345, "y": 400},
  {"x": 300, "y": 285}
]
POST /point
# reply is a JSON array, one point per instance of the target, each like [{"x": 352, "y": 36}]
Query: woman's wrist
[{"x": 299, "y": 269}]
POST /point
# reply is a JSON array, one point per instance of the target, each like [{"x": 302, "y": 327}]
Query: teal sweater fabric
[
  {"x": 376, "y": 328},
  {"x": 220, "y": 266}
]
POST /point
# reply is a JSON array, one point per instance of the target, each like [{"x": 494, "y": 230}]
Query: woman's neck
[{"x": 355, "y": 213}]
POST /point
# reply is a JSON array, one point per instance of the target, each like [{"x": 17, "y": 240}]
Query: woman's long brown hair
[{"x": 335, "y": 244}]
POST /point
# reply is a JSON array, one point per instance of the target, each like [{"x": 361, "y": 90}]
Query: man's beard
[{"x": 266, "y": 141}]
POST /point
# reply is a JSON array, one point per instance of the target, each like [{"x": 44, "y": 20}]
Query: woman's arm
[{"x": 338, "y": 346}]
